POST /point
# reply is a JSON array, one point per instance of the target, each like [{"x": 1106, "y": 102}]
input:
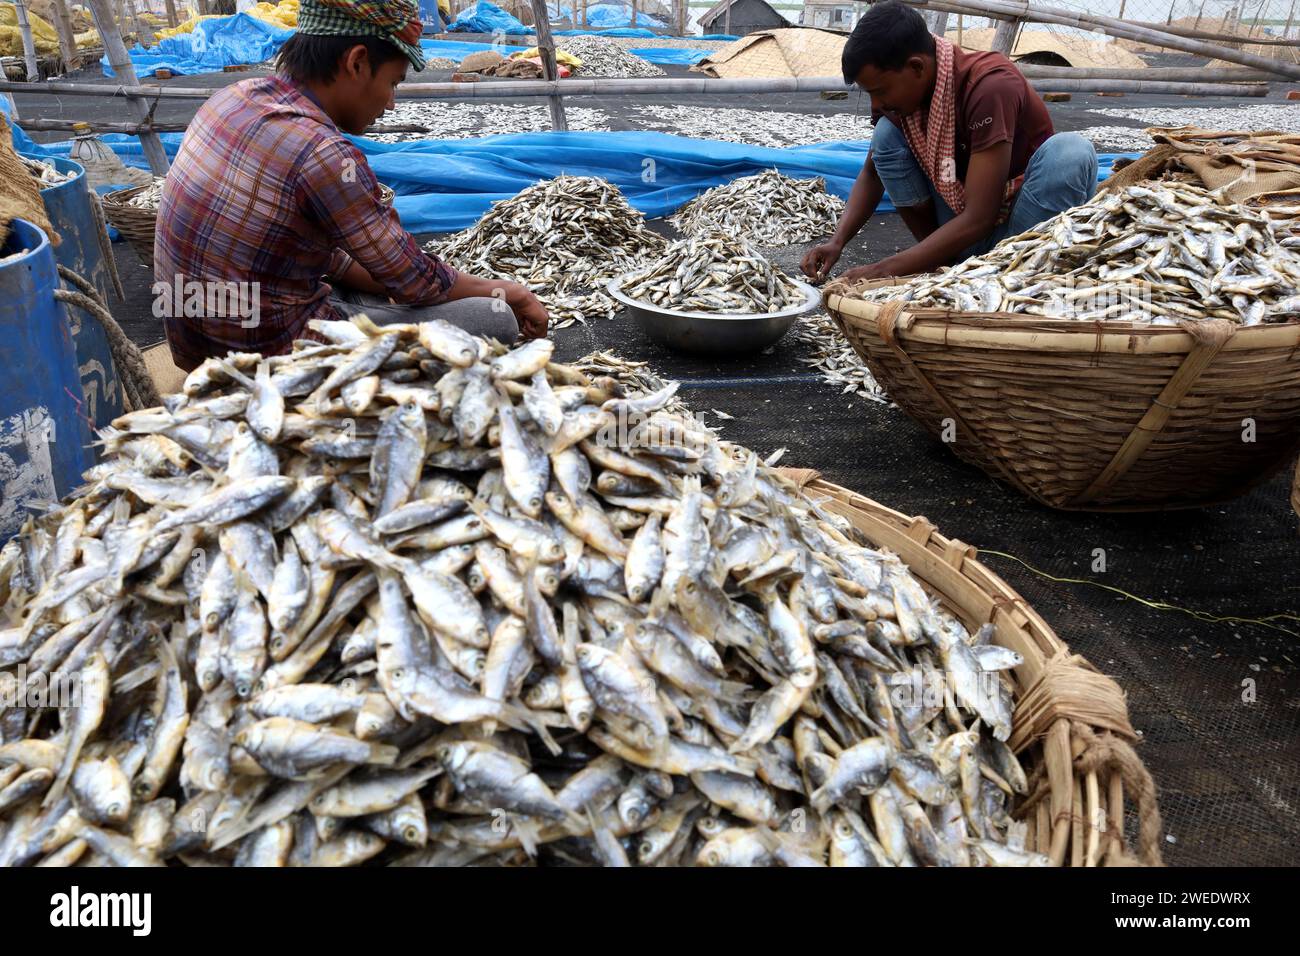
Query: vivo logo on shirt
[{"x": 984, "y": 122}]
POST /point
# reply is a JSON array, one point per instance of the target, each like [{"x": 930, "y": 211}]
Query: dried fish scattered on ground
[
  {"x": 755, "y": 127},
  {"x": 465, "y": 120},
  {"x": 1284, "y": 118},
  {"x": 407, "y": 598},
  {"x": 45, "y": 173},
  {"x": 602, "y": 56},
  {"x": 440, "y": 63},
  {"x": 150, "y": 197},
  {"x": 834, "y": 358},
  {"x": 564, "y": 238},
  {"x": 713, "y": 273},
  {"x": 1117, "y": 139},
  {"x": 768, "y": 209},
  {"x": 1158, "y": 253}
]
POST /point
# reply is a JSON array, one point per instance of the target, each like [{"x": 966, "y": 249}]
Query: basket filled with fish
[
  {"x": 402, "y": 597},
  {"x": 1138, "y": 352},
  {"x": 714, "y": 294}
]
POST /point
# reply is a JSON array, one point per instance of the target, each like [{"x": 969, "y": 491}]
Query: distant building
[
  {"x": 747, "y": 16},
  {"x": 830, "y": 16}
]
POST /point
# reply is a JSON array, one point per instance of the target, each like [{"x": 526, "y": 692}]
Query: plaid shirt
[{"x": 266, "y": 190}]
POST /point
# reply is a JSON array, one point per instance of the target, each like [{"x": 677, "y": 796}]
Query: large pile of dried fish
[
  {"x": 757, "y": 127},
  {"x": 464, "y": 120},
  {"x": 713, "y": 273},
  {"x": 602, "y": 56},
  {"x": 403, "y": 597},
  {"x": 768, "y": 209},
  {"x": 1158, "y": 253},
  {"x": 564, "y": 238},
  {"x": 45, "y": 173}
]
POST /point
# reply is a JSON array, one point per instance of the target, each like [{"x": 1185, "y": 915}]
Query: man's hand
[
  {"x": 818, "y": 261},
  {"x": 528, "y": 310},
  {"x": 876, "y": 270}
]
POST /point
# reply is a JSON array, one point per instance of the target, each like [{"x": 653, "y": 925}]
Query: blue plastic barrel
[
  {"x": 44, "y": 438},
  {"x": 68, "y": 206}
]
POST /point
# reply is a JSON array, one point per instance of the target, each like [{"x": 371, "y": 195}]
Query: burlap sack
[
  {"x": 20, "y": 195},
  {"x": 1245, "y": 165}
]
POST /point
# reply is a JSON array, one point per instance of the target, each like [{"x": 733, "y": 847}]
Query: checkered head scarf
[{"x": 396, "y": 21}]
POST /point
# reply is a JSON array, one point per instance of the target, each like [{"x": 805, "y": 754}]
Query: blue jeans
[{"x": 1061, "y": 173}]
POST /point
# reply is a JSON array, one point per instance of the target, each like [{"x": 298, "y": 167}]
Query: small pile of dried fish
[
  {"x": 564, "y": 238},
  {"x": 150, "y": 197},
  {"x": 833, "y": 356},
  {"x": 602, "y": 56},
  {"x": 768, "y": 209},
  {"x": 45, "y": 173},
  {"x": 713, "y": 273},
  {"x": 440, "y": 63},
  {"x": 1158, "y": 253},
  {"x": 407, "y": 598}
]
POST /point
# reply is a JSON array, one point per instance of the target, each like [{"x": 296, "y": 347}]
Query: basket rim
[{"x": 1017, "y": 332}]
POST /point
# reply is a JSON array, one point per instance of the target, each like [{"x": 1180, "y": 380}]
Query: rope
[
  {"x": 1102, "y": 754},
  {"x": 137, "y": 384}
]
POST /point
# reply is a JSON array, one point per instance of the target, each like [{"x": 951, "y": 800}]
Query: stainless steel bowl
[{"x": 710, "y": 333}]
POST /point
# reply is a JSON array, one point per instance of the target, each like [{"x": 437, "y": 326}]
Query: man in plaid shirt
[{"x": 268, "y": 204}]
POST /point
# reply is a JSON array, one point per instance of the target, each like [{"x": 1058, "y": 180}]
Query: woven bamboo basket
[
  {"x": 139, "y": 225},
  {"x": 1094, "y": 416},
  {"x": 1071, "y": 727}
]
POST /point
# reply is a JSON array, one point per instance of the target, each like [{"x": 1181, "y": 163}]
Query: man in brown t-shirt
[{"x": 962, "y": 144}]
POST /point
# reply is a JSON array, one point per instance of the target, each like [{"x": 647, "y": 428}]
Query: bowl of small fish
[{"x": 713, "y": 294}]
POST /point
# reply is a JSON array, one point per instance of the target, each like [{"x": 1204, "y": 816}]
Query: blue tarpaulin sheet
[
  {"x": 670, "y": 54},
  {"x": 485, "y": 17},
  {"x": 445, "y": 185},
  {"x": 459, "y": 49},
  {"x": 211, "y": 46},
  {"x": 634, "y": 32},
  {"x": 604, "y": 15}
]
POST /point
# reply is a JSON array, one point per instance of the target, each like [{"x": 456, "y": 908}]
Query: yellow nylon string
[{"x": 1159, "y": 605}]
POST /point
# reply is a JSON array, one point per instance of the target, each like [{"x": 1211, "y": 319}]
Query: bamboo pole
[
  {"x": 633, "y": 14},
  {"x": 940, "y": 24},
  {"x": 1004, "y": 36},
  {"x": 1118, "y": 29},
  {"x": 1175, "y": 74},
  {"x": 546, "y": 47},
  {"x": 29, "y": 45},
  {"x": 142, "y": 35},
  {"x": 125, "y": 71},
  {"x": 172, "y": 19},
  {"x": 726, "y": 27},
  {"x": 513, "y": 89},
  {"x": 1286, "y": 30},
  {"x": 960, "y": 18},
  {"x": 1199, "y": 14},
  {"x": 1170, "y": 18},
  {"x": 1122, "y": 5},
  {"x": 67, "y": 40}
]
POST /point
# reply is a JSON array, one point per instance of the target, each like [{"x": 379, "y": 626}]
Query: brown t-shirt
[{"x": 995, "y": 104}]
